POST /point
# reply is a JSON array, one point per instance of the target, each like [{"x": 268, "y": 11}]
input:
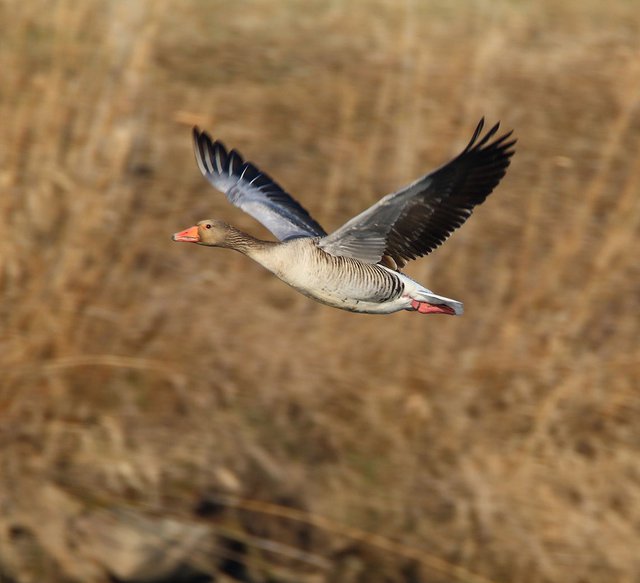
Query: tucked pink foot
[{"x": 427, "y": 308}]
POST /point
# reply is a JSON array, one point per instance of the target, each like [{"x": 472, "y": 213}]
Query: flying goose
[{"x": 357, "y": 267}]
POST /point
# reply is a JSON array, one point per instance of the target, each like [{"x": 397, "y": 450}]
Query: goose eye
[{"x": 208, "y": 226}]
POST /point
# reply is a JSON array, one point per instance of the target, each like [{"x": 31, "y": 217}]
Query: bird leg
[{"x": 427, "y": 308}]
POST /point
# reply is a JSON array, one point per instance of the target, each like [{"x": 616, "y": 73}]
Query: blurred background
[{"x": 174, "y": 413}]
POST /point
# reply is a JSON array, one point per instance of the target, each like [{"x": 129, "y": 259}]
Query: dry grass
[{"x": 148, "y": 386}]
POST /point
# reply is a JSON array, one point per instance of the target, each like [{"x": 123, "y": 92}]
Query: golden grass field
[{"x": 179, "y": 400}]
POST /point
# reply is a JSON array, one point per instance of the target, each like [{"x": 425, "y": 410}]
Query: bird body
[
  {"x": 357, "y": 267},
  {"x": 340, "y": 282}
]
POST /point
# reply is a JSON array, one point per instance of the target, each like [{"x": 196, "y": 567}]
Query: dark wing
[
  {"x": 252, "y": 190},
  {"x": 415, "y": 220}
]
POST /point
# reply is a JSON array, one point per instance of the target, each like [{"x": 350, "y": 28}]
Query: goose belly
[
  {"x": 349, "y": 286},
  {"x": 356, "y": 305}
]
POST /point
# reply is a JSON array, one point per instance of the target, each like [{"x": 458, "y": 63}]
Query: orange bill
[{"x": 189, "y": 235}]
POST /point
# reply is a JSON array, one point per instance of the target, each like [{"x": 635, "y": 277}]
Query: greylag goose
[{"x": 357, "y": 267}]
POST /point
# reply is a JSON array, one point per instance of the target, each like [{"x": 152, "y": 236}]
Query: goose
[{"x": 358, "y": 266}]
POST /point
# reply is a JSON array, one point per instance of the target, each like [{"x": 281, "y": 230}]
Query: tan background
[{"x": 178, "y": 399}]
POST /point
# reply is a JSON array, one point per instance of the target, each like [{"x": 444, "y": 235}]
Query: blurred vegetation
[{"x": 174, "y": 411}]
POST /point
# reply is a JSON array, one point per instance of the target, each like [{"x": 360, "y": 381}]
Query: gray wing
[
  {"x": 415, "y": 220},
  {"x": 252, "y": 190}
]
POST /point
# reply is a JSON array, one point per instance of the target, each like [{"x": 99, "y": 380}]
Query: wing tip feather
[{"x": 483, "y": 143}]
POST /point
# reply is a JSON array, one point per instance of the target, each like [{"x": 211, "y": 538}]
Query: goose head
[{"x": 211, "y": 232}]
